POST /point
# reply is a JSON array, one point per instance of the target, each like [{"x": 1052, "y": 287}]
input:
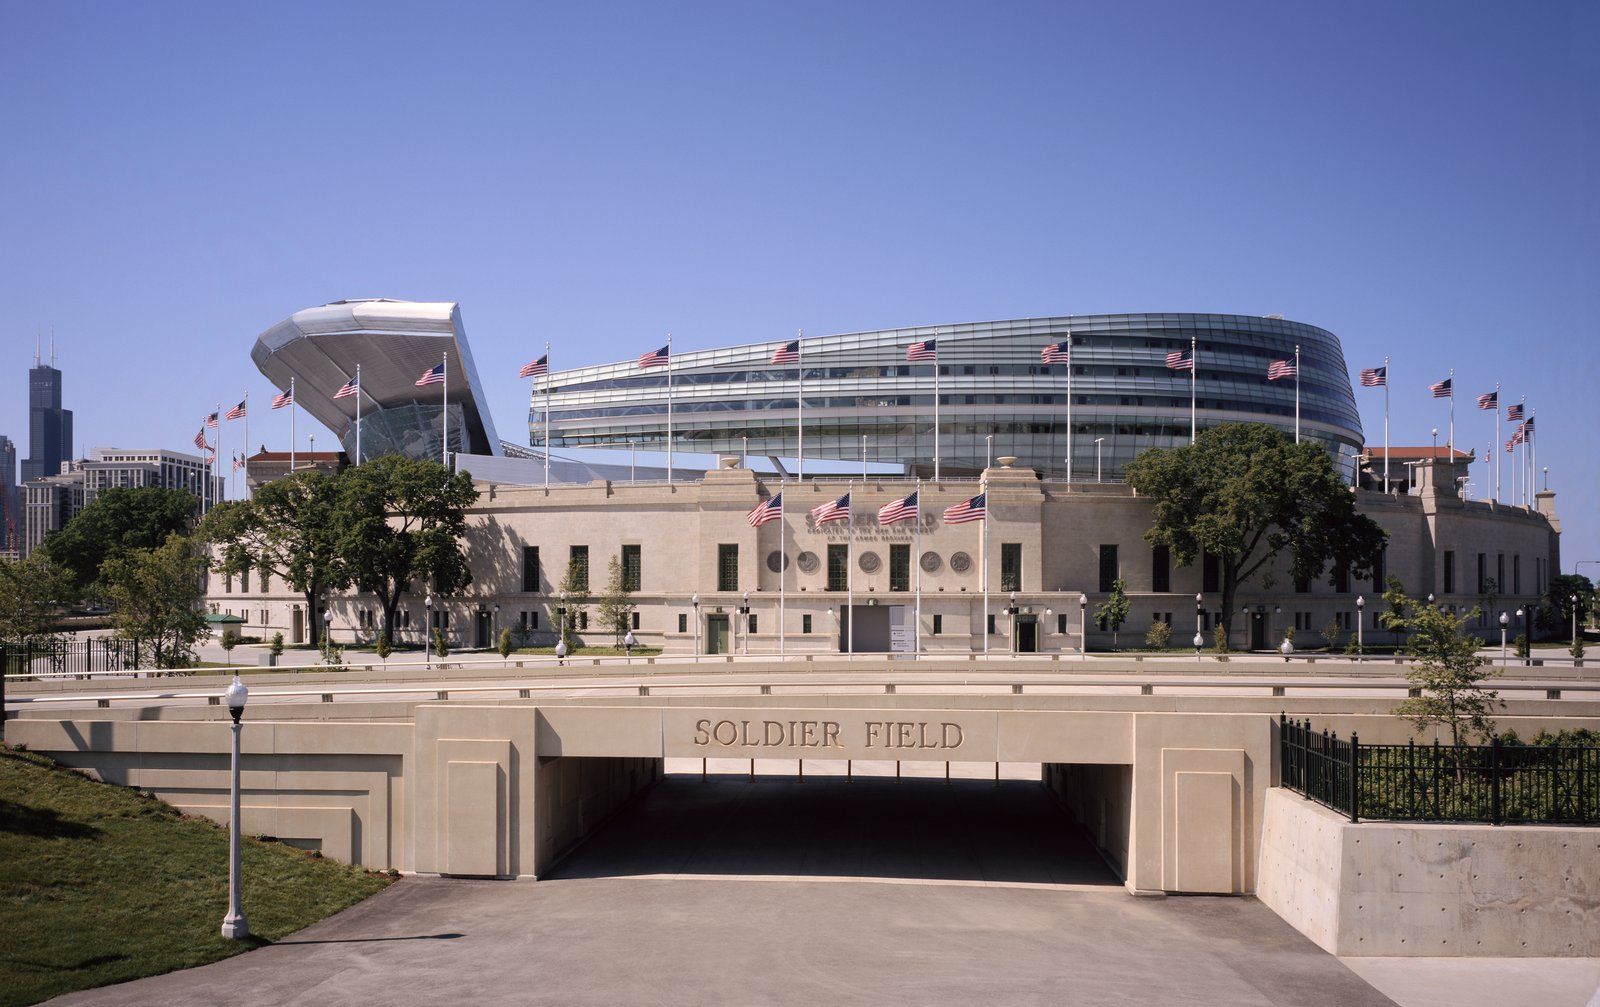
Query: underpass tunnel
[{"x": 994, "y": 823}]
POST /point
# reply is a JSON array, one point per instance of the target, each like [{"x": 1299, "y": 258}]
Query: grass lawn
[
  {"x": 102, "y": 884},
  {"x": 591, "y": 651}
]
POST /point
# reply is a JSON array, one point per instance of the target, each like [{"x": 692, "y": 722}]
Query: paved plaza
[{"x": 774, "y": 891}]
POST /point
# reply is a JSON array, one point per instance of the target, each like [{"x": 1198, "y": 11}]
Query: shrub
[
  {"x": 1219, "y": 639},
  {"x": 1159, "y": 635},
  {"x": 230, "y": 640},
  {"x": 505, "y": 647},
  {"x": 1330, "y": 633},
  {"x": 1576, "y": 650},
  {"x": 276, "y": 648},
  {"x": 382, "y": 648},
  {"x": 1520, "y": 644},
  {"x": 440, "y": 647}
]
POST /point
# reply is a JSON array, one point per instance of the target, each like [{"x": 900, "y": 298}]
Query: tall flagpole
[
  {"x": 247, "y": 443},
  {"x": 916, "y": 557},
  {"x": 216, "y": 456},
  {"x": 783, "y": 571},
  {"x": 800, "y": 399},
  {"x": 1495, "y": 482},
  {"x": 1194, "y": 375},
  {"x": 669, "y": 408},
  {"x": 850, "y": 573},
  {"x": 547, "y": 415},
  {"x": 294, "y": 410},
  {"x": 1297, "y": 393},
  {"x": 936, "y": 405},
  {"x": 1450, "y": 443},
  {"x": 983, "y": 627},
  {"x": 1069, "y": 404},
  {"x": 358, "y": 414},
  {"x": 1386, "y": 426},
  {"x": 1533, "y": 463},
  {"x": 444, "y": 411}
]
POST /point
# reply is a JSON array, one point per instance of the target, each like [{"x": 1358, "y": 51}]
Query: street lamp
[
  {"x": 695, "y": 601},
  {"x": 234, "y": 925},
  {"x": 1522, "y": 615},
  {"x": 1286, "y": 648},
  {"x": 1199, "y": 608},
  {"x": 427, "y": 631},
  {"x": 1012, "y": 611},
  {"x": 745, "y": 611},
  {"x": 494, "y": 627},
  {"x": 327, "y": 630},
  {"x": 1097, "y": 442},
  {"x": 1430, "y": 597},
  {"x": 1504, "y": 619},
  {"x": 628, "y": 643},
  {"x": 1083, "y": 626},
  {"x": 1361, "y": 605}
]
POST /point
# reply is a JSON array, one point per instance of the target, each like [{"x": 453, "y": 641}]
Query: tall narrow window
[
  {"x": 1341, "y": 578},
  {"x": 632, "y": 568},
  {"x": 1210, "y": 574},
  {"x": 1516, "y": 575},
  {"x": 728, "y": 566},
  {"x": 1011, "y": 566},
  {"x": 244, "y": 577},
  {"x": 838, "y": 567},
  {"x": 1380, "y": 572},
  {"x": 899, "y": 567},
  {"x": 579, "y": 560},
  {"x": 805, "y": 623},
  {"x": 530, "y": 568},
  {"x": 1483, "y": 573},
  {"x": 1449, "y": 571},
  {"x": 938, "y": 623},
  {"x": 1108, "y": 567},
  {"x": 1160, "y": 568}
]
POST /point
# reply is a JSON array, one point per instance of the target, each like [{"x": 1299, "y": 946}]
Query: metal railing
[
  {"x": 57, "y": 658},
  {"x": 1497, "y": 783}
]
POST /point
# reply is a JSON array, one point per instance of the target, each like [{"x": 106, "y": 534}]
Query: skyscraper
[
  {"x": 49, "y": 425},
  {"x": 10, "y": 519}
]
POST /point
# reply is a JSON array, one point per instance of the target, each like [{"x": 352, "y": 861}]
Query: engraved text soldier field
[{"x": 943, "y": 736}]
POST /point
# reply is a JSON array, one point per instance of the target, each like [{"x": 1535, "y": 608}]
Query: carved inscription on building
[{"x": 882, "y": 735}]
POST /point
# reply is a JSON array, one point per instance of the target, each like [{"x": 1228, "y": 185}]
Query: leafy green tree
[
  {"x": 382, "y": 648},
  {"x": 155, "y": 596},
  {"x": 1447, "y": 674},
  {"x": 33, "y": 592},
  {"x": 505, "y": 646},
  {"x": 1246, "y": 493},
  {"x": 573, "y": 590},
  {"x": 440, "y": 647},
  {"x": 1158, "y": 636},
  {"x": 615, "y": 609},
  {"x": 1570, "y": 593},
  {"x": 1393, "y": 616},
  {"x": 276, "y": 647},
  {"x": 115, "y": 521},
  {"x": 1114, "y": 610},
  {"x": 401, "y": 522},
  {"x": 230, "y": 640},
  {"x": 290, "y": 529}
]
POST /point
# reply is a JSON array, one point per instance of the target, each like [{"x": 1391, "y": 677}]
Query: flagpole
[
  {"x": 1297, "y": 393},
  {"x": 444, "y": 410},
  {"x": 916, "y": 557},
  {"x": 216, "y": 456},
  {"x": 1385, "y": 426},
  {"x": 1494, "y": 484},
  {"x": 783, "y": 572},
  {"x": 547, "y": 415},
  {"x": 983, "y": 626},
  {"x": 247, "y": 443},
  {"x": 1520, "y": 485},
  {"x": 850, "y": 574},
  {"x": 1450, "y": 443},
  {"x": 1069, "y": 405},
  {"x": 1194, "y": 376},
  {"x": 1533, "y": 464},
  {"x": 294, "y": 434},
  {"x": 358, "y": 414},
  {"x": 800, "y": 399},
  {"x": 669, "y": 409},
  {"x": 936, "y": 397}
]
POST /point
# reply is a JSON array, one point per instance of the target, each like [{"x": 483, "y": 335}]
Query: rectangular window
[
  {"x": 227, "y": 583},
  {"x": 635, "y": 618},
  {"x": 1108, "y": 567},
  {"x": 683, "y": 622},
  {"x": 728, "y": 566},
  {"x": 579, "y": 561},
  {"x": 583, "y": 618},
  {"x": 1061, "y": 623},
  {"x": 752, "y": 630},
  {"x": 991, "y": 624},
  {"x": 1449, "y": 571},
  {"x": 1483, "y": 573},
  {"x": 632, "y": 568},
  {"x": 899, "y": 567},
  {"x": 838, "y": 567},
  {"x": 1341, "y": 578},
  {"x": 1500, "y": 571},
  {"x": 1011, "y": 566},
  {"x": 530, "y": 568},
  {"x": 244, "y": 578},
  {"x": 1380, "y": 571},
  {"x": 938, "y": 624},
  {"x": 805, "y": 623},
  {"x": 1516, "y": 575},
  {"x": 1160, "y": 568},
  {"x": 522, "y": 621},
  {"x": 1210, "y": 574},
  {"x": 1302, "y": 585}
]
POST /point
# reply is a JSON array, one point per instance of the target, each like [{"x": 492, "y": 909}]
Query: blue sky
[{"x": 1418, "y": 178}]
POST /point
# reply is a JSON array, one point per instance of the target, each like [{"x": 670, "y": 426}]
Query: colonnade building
[{"x": 693, "y": 563}]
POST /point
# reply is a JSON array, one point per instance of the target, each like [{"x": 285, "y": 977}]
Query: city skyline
[{"x": 1422, "y": 210}]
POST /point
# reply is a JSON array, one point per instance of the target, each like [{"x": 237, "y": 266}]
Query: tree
[
  {"x": 1447, "y": 674},
  {"x": 288, "y": 529},
  {"x": 401, "y": 521},
  {"x": 1393, "y": 616},
  {"x": 382, "y": 648},
  {"x": 1245, "y": 493},
  {"x": 506, "y": 646},
  {"x": 574, "y": 588},
  {"x": 115, "y": 521},
  {"x": 230, "y": 640},
  {"x": 1158, "y": 636},
  {"x": 155, "y": 596},
  {"x": 1114, "y": 610},
  {"x": 615, "y": 610},
  {"x": 32, "y": 593},
  {"x": 1570, "y": 594}
]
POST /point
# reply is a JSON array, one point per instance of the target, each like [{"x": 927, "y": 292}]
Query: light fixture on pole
[
  {"x": 1097, "y": 442},
  {"x": 234, "y": 925},
  {"x": 745, "y": 611},
  {"x": 1083, "y": 626},
  {"x": 1361, "y": 605},
  {"x": 1012, "y": 611},
  {"x": 1199, "y": 638},
  {"x": 1286, "y": 648},
  {"x": 695, "y": 601},
  {"x": 1527, "y": 641},
  {"x": 1504, "y": 620},
  {"x": 628, "y": 642},
  {"x": 427, "y": 631}
]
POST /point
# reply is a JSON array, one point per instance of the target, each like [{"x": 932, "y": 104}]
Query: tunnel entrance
[{"x": 867, "y": 825}]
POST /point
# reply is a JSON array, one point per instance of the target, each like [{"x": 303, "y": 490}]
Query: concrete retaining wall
[
  {"x": 1101, "y": 798},
  {"x": 1377, "y": 888}
]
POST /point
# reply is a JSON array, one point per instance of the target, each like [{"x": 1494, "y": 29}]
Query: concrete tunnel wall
[{"x": 1100, "y": 797}]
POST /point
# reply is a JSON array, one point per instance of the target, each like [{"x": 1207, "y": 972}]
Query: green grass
[
  {"x": 591, "y": 651},
  {"x": 101, "y": 884}
]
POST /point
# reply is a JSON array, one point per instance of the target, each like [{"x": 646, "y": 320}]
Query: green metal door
[{"x": 716, "y": 634}]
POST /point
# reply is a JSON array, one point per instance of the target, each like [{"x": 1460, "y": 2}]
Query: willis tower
[{"x": 49, "y": 425}]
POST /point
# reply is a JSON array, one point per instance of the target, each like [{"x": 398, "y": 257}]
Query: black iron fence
[
  {"x": 1497, "y": 782},
  {"x": 54, "y": 658}
]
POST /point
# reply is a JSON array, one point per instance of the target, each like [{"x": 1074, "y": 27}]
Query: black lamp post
[
  {"x": 1199, "y": 608},
  {"x": 1083, "y": 626},
  {"x": 234, "y": 925},
  {"x": 427, "y": 632}
]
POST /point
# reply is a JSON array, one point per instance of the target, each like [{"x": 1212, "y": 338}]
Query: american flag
[
  {"x": 1282, "y": 369},
  {"x": 1489, "y": 400},
  {"x": 237, "y": 412},
  {"x": 1440, "y": 389},
  {"x": 1527, "y": 427},
  {"x": 833, "y": 510},
  {"x": 926, "y": 350},
  {"x": 788, "y": 353},
  {"x": 655, "y": 358},
  {"x": 352, "y": 386},
  {"x": 975, "y": 509},
  {"x": 432, "y": 376},
  {"x": 1055, "y": 353},
  {"x": 1375, "y": 377},
  {"x": 1516, "y": 438},
  {"x": 1514, "y": 411},
  {"x": 1178, "y": 360},
  {"x": 237, "y": 464},
  {"x": 200, "y": 439},
  {"x": 770, "y": 509},
  {"x": 538, "y": 367},
  {"x": 211, "y": 421},
  {"x": 283, "y": 399},
  {"x": 904, "y": 509}
]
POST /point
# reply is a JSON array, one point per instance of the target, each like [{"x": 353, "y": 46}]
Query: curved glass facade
[{"x": 990, "y": 382}]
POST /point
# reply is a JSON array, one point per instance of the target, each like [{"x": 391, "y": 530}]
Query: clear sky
[{"x": 1418, "y": 178}]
